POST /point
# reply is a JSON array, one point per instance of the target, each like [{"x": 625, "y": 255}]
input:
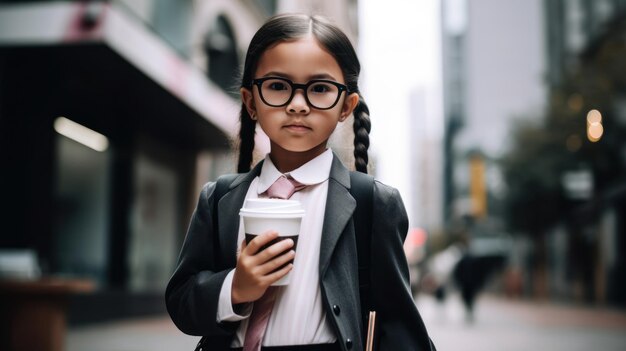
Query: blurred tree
[
  {"x": 531, "y": 171},
  {"x": 542, "y": 153}
]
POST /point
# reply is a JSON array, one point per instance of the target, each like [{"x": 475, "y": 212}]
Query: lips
[{"x": 297, "y": 127}]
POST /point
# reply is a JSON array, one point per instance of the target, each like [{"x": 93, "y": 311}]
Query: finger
[
  {"x": 273, "y": 277},
  {"x": 272, "y": 265},
  {"x": 274, "y": 250},
  {"x": 260, "y": 240}
]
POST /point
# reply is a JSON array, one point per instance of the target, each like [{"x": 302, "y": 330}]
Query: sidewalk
[
  {"x": 513, "y": 325},
  {"x": 150, "y": 334},
  {"x": 499, "y": 324}
]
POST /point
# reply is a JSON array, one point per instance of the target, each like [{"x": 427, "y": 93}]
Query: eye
[
  {"x": 321, "y": 88},
  {"x": 277, "y": 85}
]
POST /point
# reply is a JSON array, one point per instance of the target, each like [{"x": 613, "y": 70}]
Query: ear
[
  {"x": 247, "y": 97},
  {"x": 349, "y": 104}
]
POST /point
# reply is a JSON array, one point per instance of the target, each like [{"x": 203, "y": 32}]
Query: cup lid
[
  {"x": 271, "y": 214},
  {"x": 271, "y": 205}
]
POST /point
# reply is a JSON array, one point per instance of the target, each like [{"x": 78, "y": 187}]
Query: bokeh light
[{"x": 594, "y": 126}]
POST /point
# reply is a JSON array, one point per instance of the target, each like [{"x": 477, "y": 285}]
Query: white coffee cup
[{"x": 283, "y": 216}]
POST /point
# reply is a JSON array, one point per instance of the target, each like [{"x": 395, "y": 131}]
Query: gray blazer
[{"x": 193, "y": 291}]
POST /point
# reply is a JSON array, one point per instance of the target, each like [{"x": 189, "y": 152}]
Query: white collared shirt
[{"x": 298, "y": 316}]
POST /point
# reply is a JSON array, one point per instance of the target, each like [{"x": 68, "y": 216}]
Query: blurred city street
[
  {"x": 512, "y": 325},
  {"x": 499, "y": 324},
  {"x": 502, "y": 125}
]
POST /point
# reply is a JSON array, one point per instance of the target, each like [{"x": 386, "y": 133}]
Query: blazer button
[
  {"x": 336, "y": 309},
  {"x": 348, "y": 344}
]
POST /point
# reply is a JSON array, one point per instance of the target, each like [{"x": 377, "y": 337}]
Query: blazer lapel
[
  {"x": 228, "y": 213},
  {"x": 340, "y": 206}
]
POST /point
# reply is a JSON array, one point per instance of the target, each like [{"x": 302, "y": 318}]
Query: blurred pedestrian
[
  {"x": 221, "y": 295},
  {"x": 468, "y": 279},
  {"x": 439, "y": 268},
  {"x": 471, "y": 274}
]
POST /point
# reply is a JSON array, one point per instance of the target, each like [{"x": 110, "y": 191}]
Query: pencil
[{"x": 370, "y": 331}]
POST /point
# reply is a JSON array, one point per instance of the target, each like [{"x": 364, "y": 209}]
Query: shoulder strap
[
  {"x": 221, "y": 188},
  {"x": 362, "y": 189}
]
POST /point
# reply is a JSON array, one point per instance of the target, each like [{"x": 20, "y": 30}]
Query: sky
[{"x": 399, "y": 49}]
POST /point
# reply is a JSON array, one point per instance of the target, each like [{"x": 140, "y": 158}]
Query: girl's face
[{"x": 298, "y": 127}]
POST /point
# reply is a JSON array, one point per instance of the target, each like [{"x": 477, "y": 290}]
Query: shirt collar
[{"x": 313, "y": 172}]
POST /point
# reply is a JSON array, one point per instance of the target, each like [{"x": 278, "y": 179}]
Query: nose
[{"x": 298, "y": 103}]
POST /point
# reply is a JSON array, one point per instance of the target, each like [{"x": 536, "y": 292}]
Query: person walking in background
[
  {"x": 471, "y": 274},
  {"x": 469, "y": 281},
  {"x": 299, "y": 81}
]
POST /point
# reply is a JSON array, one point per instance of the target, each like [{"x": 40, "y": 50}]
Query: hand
[{"x": 257, "y": 269}]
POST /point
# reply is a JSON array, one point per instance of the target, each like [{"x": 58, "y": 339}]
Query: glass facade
[{"x": 81, "y": 221}]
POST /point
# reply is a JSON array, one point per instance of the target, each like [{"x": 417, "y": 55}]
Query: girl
[{"x": 299, "y": 81}]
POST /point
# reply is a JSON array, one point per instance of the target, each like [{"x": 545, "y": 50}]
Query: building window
[
  {"x": 222, "y": 56},
  {"x": 268, "y": 5},
  {"x": 81, "y": 191}
]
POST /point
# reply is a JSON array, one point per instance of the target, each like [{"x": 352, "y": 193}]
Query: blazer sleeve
[
  {"x": 192, "y": 294},
  {"x": 400, "y": 326}
]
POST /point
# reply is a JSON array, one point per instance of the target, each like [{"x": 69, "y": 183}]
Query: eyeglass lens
[{"x": 277, "y": 92}]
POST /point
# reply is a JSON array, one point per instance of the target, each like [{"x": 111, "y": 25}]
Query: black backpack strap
[
  {"x": 362, "y": 189},
  {"x": 221, "y": 187}
]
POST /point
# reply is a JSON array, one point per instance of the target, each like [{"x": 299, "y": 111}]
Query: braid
[
  {"x": 246, "y": 141},
  {"x": 362, "y": 126}
]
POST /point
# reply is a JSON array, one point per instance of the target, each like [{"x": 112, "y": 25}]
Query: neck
[{"x": 286, "y": 161}]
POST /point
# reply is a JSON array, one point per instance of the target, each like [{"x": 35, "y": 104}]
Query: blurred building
[
  {"x": 587, "y": 247},
  {"x": 493, "y": 67},
  {"x": 115, "y": 212},
  {"x": 571, "y": 26},
  {"x": 112, "y": 116},
  {"x": 426, "y": 159},
  {"x": 507, "y": 61}
]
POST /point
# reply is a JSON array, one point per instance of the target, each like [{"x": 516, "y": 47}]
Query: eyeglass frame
[{"x": 295, "y": 86}]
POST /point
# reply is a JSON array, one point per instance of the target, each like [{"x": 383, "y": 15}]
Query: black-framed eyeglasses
[{"x": 319, "y": 93}]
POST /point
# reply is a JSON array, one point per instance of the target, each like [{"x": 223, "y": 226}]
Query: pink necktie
[
  {"x": 259, "y": 319},
  {"x": 282, "y": 188}
]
